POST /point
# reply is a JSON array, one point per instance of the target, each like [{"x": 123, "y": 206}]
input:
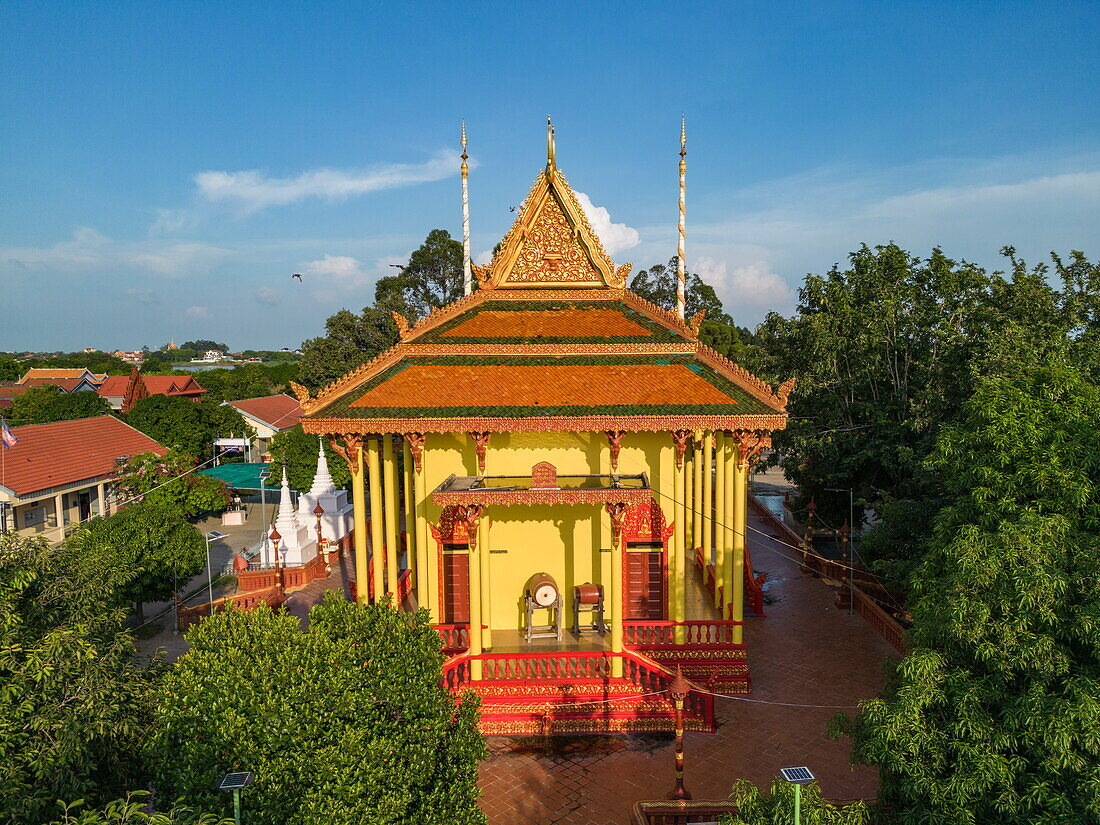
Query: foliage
[
  {"x": 95, "y": 362},
  {"x": 131, "y": 810},
  {"x": 10, "y": 369},
  {"x": 74, "y": 706},
  {"x": 148, "y": 549},
  {"x": 44, "y": 405},
  {"x": 170, "y": 482},
  {"x": 184, "y": 425},
  {"x": 235, "y": 383},
  {"x": 995, "y": 715},
  {"x": 298, "y": 452},
  {"x": 758, "y": 808},
  {"x": 343, "y": 722},
  {"x": 433, "y": 278},
  {"x": 202, "y": 345}
]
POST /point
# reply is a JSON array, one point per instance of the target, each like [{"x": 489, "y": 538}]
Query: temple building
[{"x": 553, "y": 441}]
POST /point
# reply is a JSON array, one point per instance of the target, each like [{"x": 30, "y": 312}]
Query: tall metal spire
[
  {"x": 467, "y": 273},
  {"x": 551, "y": 151},
  {"x": 681, "y": 272}
]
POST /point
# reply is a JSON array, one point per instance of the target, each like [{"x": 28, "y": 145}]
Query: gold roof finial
[
  {"x": 683, "y": 136},
  {"x": 464, "y": 155},
  {"x": 551, "y": 151}
]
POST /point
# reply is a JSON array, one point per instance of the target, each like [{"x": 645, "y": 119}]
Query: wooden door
[
  {"x": 644, "y": 570},
  {"x": 456, "y": 587}
]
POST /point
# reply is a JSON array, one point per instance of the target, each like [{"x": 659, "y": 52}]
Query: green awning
[{"x": 239, "y": 476}]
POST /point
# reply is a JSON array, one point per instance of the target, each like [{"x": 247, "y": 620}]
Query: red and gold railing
[{"x": 697, "y": 634}]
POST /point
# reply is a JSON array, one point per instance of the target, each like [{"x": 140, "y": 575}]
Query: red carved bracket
[
  {"x": 349, "y": 450},
  {"x": 544, "y": 475},
  {"x": 469, "y": 515},
  {"x": 750, "y": 444},
  {"x": 615, "y": 441},
  {"x": 680, "y": 441},
  {"x": 616, "y": 510},
  {"x": 416, "y": 447},
  {"x": 481, "y": 441}
]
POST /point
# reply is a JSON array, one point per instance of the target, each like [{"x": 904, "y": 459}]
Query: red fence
[
  {"x": 697, "y": 634},
  {"x": 455, "y": 638},
  {"x": 187, "y": 616}
]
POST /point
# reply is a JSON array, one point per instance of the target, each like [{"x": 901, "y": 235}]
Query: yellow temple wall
[{"x": 562, "y": 540}]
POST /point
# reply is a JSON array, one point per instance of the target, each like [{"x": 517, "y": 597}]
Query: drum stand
[
  {"x": 595, "y": 608},
  {"x": 552, "y": 630}
]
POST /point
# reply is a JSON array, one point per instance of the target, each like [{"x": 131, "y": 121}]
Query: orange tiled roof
[
  {"x": 65, "y": 452},
  {"x": 63, "y": 384},
  {"x": 186, "y": 385},
  {"x": 53, "y": 374},
  {"x": 556, "y": 323},
  {"x": 544, "y": 385},
  {"x": 280, "y": 412}
]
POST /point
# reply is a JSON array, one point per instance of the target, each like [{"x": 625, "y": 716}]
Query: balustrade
[{"x": 697, "y": 634}]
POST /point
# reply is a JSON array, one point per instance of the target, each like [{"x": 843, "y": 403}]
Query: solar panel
[
  {"x": 799, "y": 776},
  {"x": 235, "y": 781}
]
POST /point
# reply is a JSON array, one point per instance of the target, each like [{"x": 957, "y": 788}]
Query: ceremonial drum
[
  {"x": 543, "y": 589},
  {"x": 588, "y": 593}
]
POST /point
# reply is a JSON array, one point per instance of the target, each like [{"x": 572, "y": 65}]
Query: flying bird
[
  {"x": 298, "y": 276},
  {"x": 511, "y": 209}
]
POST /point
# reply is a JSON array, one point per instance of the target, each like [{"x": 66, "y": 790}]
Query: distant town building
[
  {"x": 90, "y": 350},
  {"x": 266, "y": 416},
  {"x": 59, "y": 474},
  {"x": 62, "y": 374}
]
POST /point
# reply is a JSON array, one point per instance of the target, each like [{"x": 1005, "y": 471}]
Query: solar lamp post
[
  {"x": 319, "y": 511},
  {"x": 275, "y": 539},
  {"x": 213, "y": 535},
  {"x": 798, "y": 777},
  {"x": 235, "y": 781}
]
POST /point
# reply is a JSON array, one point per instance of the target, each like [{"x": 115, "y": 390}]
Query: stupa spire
[
  {"x": 467, "y": 274},
  {"x": 322, "y": 479},
  {"x": 681, "y": 271},
  {"x": 286, "y": 522}
]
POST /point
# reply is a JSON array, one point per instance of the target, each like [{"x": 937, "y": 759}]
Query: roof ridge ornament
[{"x": 551, "y": 149}]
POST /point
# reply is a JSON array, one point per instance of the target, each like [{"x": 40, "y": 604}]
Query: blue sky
[{"x": 165, "y": 167}]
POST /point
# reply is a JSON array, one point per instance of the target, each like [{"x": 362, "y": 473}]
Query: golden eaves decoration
[{"x": 551, "y": 243}]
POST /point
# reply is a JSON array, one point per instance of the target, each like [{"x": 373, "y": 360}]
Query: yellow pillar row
[
  {"x": 683, "y": 562},
  {"x": 707, "y": 510},
  {"x": 377, "y": 537},
  {"x": 389, "y": 480},
  {"x": 475, "y": 648},
  {"x": 412, "y": 559},
  {"x": 728, "y": 583},
  {"x": 697, "y": 499},
  {"x": 740, "y": 513},
  {"x": 359, "y": 511},
  {"x": 427, "y": 588},
  {"x": 486, "y": 593},
  {"x": 719, "y": 518}
]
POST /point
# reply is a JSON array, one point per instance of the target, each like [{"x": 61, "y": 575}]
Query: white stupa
[
  {"x": 298, "y": 543},
  {"x": 338, "y": 518}
]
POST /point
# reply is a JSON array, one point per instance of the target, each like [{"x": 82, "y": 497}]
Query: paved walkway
[{"x": 806, "y": 652}]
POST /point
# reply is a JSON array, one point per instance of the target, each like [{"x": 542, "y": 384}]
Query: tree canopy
[
  {"x": 74, "y": 706},
  {"x": 44, "y": 405},
  {"x": 148, "y": 550},
  {"x": 343, "y": 722},
  {"x": 170, "y": 481},
  {"x": 432, "y": 278},
  {"x": 995, "y": 715},
  {"x": 184, "y": 425}
]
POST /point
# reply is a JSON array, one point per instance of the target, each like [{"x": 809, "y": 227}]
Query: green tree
[
  {"x": 10, "y": 369},
  {"x": 297, "y": 451},
  {"x": 432, "y": 279},
  {"x": 995, "y": 715},
  {"x": 184, "y": 425},
  {"x": 169, "y": 481},
  {"x": 236, "y": 383},
  {"x": 202, "y": 345},
  {"x": 149, "y": 550},
  {"x": 75, "y": 706},
  {"x": 343, "y": 722},
  {"x": 777, "y": 806},
  {"x": 132, "y": 810},
  {"x": 44, "y": 405}
]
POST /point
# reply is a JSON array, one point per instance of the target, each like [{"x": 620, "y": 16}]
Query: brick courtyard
[{"x": 806, "y": 652}]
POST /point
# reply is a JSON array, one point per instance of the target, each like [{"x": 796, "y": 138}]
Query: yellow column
[
  {"x": 389, "y": 479},
  {"x": 359, "y": 502},
  {"x": 486, "y": 592},
  {"x": 475, "y": 609},
  {"x": 374, "y": 480},
  {"x": 707, "y": 498},
  {"x": 684, "y": 562},
  {"x": 427, "y": 594},
  {"x": 737, "y": 572},
  {"x": 616, "y": 591},
  {"x": 719, "y": 518},
  {"x": 412, "y": 559},
  {"x": 727, "y": 530},
  {"x": 697, "y": 494}
]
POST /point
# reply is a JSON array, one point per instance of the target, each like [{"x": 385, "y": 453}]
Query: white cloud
[
  {"x": 142, "y": 296},
  {"x": 170, "y": 220},
  {"x": 252, "y": 190},
  {"x": 90, "y": 250},
  {"x": 484, "y": 258},
  {"x": 615, "y": 237},
  {"x": 747, "y": 288},
  {"x": 341, "y": 269},
  {"x": 197, "y": 312},
  {"x": 266, "y": 295}
]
